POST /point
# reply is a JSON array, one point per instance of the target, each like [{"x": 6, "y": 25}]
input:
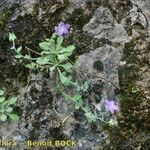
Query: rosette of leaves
[
  {"x": 55, "y": 55},
  {"x": 6, "y": 109}
]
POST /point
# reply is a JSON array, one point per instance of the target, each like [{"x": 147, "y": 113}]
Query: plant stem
[{"x": 32, "y": 51}]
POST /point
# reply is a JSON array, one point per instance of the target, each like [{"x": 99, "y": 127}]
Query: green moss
[
  {"x": 131, "y": 96},
  {"x": 132, "y": 121},
  {"x": 4, "y": 20},
  {"x": 119, "y": 9}
]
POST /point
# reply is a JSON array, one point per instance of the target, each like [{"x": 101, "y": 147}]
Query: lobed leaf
[
  {"x": 42, "y": 60},
  {"x": 78, "y": 101},
  {"x": 1, "y": 92},
  {"x": 3, "y": 117},
  {"x": 12, "y": 100},
  {"x": 2, "y": 99},
  {"x": 68, "y": 49},
  {"x": 52, "y": 68},
  {"x": 9, "y": 110},
  {"x": 67, "y": 67},
  {"x": 64, "y": 79},
  {"x": 31, "y": 65},
  {"x": 18, "y": 56},
  {"x": 14, "y": 117},
  {"x": 54, "y": 35},
  {"x": 12, "y": 37},
  {"x": 52, "y": 45},
  {"x": 45, "y": 45},
  {"x": 60, "y": 40},
  {"x": 18, "y": 50}
]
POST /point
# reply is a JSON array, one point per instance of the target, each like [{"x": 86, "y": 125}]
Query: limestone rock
[{"x": 103, "y": 25}]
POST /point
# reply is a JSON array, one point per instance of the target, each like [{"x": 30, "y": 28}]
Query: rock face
[
  {"x": 103, "y": 25},
  {"x": 143, "y": 15},
  {"x": 113, "y": 52},
  {"x": 102, "y": 64}
]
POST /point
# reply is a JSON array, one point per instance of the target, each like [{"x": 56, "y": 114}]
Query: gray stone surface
[
  {"x": 103, "y": 25},
  {"x": 110, "y": 58},
  {"x": 144, "y": 16}
]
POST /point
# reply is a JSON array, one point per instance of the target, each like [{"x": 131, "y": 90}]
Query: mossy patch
[
  {"x": 119, "y": 8},
  {"x": 133, "y": 118},
  {"x": 129, "y": 75},
  {"x": 4, "y": 20}
]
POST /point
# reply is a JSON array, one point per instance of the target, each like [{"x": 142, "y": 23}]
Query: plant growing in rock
[
  {"x": 6, "y": 109},
  {"x": 54, "y": 58}
]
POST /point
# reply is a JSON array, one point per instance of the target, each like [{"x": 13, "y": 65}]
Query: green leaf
[
  {"x": 46, "y": 52},
  {"x": 77, "y": 97},
  {"x": 63, "y": 50},
  {"x": 59, "y": 43},
  {"x": 54, "y": 35},
  {"x": 78, "y": 101},
  {"x": 85, "y": 86},
  {"x": 1, "y": 92},
  {"x": 91, "y": 117},
  {"x": 43, "y": 60},
  {"x": 60, "y": 40},
  {"x": 64, "y": 79},
  {"x": 3, "y": 117},
  {"x": 3, "y": 104},
  {"x": 9, "y": 109},
  {"x": 12, "y": 37},
  {"x": 19, "y": 49},
  {"x": 45, "y": 45},
  {"x": 14, "y": 117},
  {"x": 68, "y": 49},
  {"x": 113, "y": 122},
  {"x": 31, "y": 65},
  {"x": 12, "y": 100},
  {"x": 52, "y": 45},
  {"x": 18, "y": 56},
  {"x": 2, "y": 99},
  {"x": 48, "y": 39},
  {"x": 62, "y": 57},
  {"x": 52, "y": 68},
  {"x": 78, "y": 105},
  {"x": 27, "y": 57},
  {"x": 67, "y": 67},
  {"x": 64, "y": 53}
]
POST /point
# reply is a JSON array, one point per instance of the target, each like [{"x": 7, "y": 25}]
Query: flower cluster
[
  {"x": 111, "y": 106},
  {"x": 62, "y": 29}
]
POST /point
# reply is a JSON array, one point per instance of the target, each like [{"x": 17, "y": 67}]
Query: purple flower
[
  {"x": 111, "y": 106},
  {"x": 62, "y": 29}
]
